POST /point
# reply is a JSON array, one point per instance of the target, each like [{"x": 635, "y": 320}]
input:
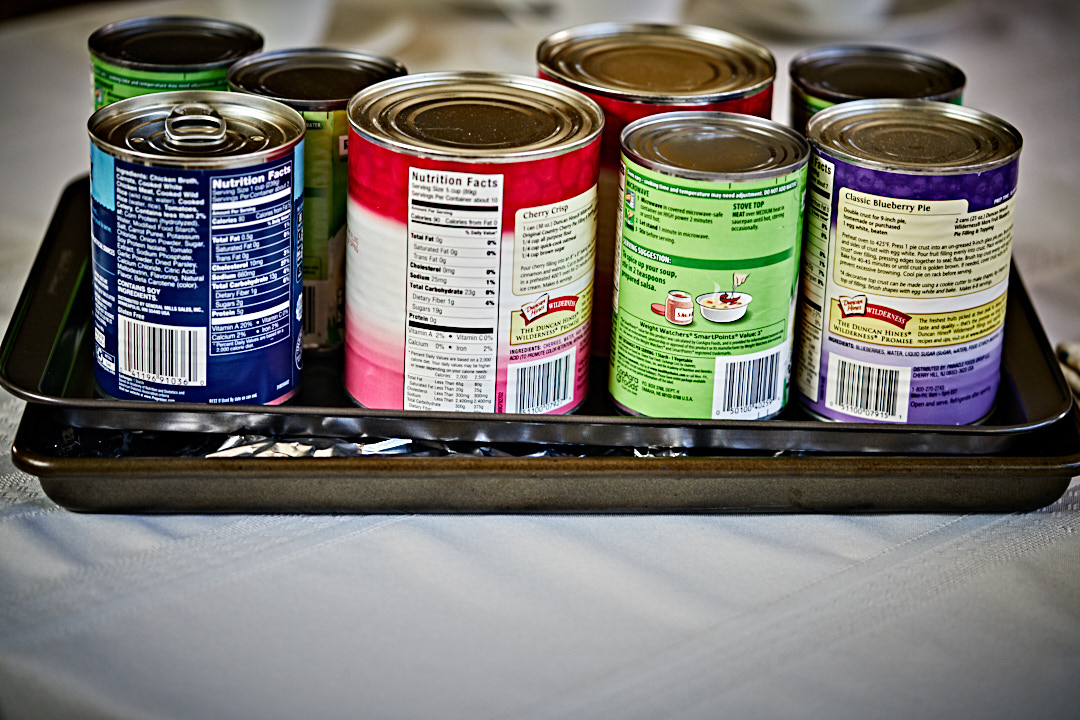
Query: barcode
[
  {"x": 876, "y": 392},
  {"x": 541, "y": 386},
  {"x": 162, "y": 354},
  {"x": 748, "y": 386}
]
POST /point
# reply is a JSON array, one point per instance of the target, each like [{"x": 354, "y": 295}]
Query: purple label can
[{"x": 906, "y": 262}]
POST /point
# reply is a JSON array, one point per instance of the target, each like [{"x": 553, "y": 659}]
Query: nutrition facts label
[
  {"x": 452, "y": 293},
  {"x": 250, "y": 259}
]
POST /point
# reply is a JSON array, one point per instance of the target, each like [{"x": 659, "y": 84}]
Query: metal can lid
[
  {"x": 311, "y": 78},
  {"x": 657, "y": 63},
  {"x": 914, "y": 136},
  {"x": 715, "y": 146},
  {"x": 492, "y": 117},
  {"x": 840, "y": 73},
  {"x": 168, "y": 42},
  {"x": 196, "y": 128}
]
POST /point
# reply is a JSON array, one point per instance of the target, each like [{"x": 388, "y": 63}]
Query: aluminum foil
[
  {"x": 259, "y": 446},
  {"x": 88, "y": 442}
]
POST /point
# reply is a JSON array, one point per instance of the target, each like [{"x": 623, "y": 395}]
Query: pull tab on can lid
[
  {"x": 196, "y": 128},
  {"x": 194, "y": 124}
]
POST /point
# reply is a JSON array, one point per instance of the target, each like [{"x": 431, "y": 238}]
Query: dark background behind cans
[{"x": 18, "y": 8}]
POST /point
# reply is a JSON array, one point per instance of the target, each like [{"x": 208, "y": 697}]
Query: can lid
[
  {"x": 492, "y": 117},
  {"x": 173, "y": 43},
  {"x": 713, "y": 146},
  {"x": 657, "y": 63},
  {"x": 195, "y": 128},
  {"x": 915, "y": 136},
  {"x": 311, "y": 78},
  {"x": 840, "y": 73}
]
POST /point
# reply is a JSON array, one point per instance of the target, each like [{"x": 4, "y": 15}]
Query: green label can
[
  {"x": 318, "y": 83},
  {"x": 162, "y": 54},
  {"x": 825, "y": 76},
  {"x": 709, "y": 231}
]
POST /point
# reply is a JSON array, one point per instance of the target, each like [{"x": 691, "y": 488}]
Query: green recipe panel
[{"x": 705, "y": 285}]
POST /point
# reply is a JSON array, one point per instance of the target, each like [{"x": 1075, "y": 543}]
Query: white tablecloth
[{"x": 426, "y": 616}]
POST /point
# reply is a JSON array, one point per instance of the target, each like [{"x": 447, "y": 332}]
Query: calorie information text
[
  {"x": 452, "y": 293},
  {"x": 250, "y": 259}
]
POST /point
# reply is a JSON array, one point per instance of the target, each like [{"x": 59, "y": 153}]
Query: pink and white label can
[{"x": 471, "y": 244}]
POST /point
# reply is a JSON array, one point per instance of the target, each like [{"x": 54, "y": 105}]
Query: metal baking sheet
[
  {"x": 98, "y": 470},
  {"x": 46, "y": 359}
]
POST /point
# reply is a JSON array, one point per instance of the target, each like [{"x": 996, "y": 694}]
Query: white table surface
[{"x": 420, "y": 616}]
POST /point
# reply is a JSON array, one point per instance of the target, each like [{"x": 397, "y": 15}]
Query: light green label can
[
  {"x": 318, "y": 83},
  {"x": 161, "y": 54},
  {"x": 112, "y": 82},
  {"x": 326, "y": 179},
  {"x": 709, "y": 235}
]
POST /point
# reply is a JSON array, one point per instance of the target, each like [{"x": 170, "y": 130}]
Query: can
[
  {"x": 633, "y": 70},
  {"x": 196, "y": 205},
  {"x": 318, "y": 83},
  {"x": 906, "y": 262},
  {"x": 471, "y": 228},
  {"x": 165, "y": 53},
  {"x": 709, "y": 231},
  {"x": 825, "y": 76}
]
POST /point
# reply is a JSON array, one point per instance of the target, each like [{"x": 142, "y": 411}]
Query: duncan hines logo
[
  {"x": 535, "y": 309},
  {"x": 544, "y": 305},
  {"x": 852, "y": 305}
]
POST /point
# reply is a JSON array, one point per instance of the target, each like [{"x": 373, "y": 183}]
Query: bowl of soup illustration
[{"x": 722, "y": 307}]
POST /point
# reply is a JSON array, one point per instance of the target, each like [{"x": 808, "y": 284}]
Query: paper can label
[
  {"x": 704, "y": 294},
  {"x": 469, "y": 284},
  {"x": 903, "y": 296},
  {"x": 197, "y": 278}
]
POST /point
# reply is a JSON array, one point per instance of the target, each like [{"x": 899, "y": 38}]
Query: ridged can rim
[
  {"x": 590, "y": 57},
  {"x": 914, "y": 136},
  {"x": 255, "y": 128},
  {"x": 276, "y": 74},
  {"x": 109, "y": 42},
  {"x": 714, "y": 146},
  {"x": 475, "y": 116},
  {"x": 820, "y": 72}
]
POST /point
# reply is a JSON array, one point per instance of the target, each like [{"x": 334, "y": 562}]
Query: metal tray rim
[{"x": 847, "y": 482}]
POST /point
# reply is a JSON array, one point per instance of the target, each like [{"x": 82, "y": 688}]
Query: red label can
[
  {"x": 471, "y": 244},
  {"x": 634, "y": 70}
]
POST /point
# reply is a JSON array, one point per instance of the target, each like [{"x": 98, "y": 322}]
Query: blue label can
[{"x": 196, "y": 217}]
